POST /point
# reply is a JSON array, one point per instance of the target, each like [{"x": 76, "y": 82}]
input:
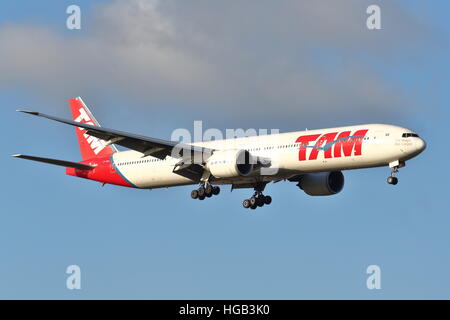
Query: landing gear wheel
[
  {"x": 208, "y": 189},
  {"x": 201, "y": 197},
  {"x": 259, "y": 201},
  {"x": 201, "y": 192},
  {"x": 208, "y": 195},
  {"x": 194, "y": 194},
  {"x": 267, "y": 200},
  {"x": 253, "y": 207},
  {"x": 246, "y": 204},
  {"x": 392, "y": 180},
  {"x": 215, "y": 191},
  {"x": 253, "y": 201}
]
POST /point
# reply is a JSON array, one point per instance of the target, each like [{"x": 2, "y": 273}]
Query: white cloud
[{"x": 252, "y": 59}]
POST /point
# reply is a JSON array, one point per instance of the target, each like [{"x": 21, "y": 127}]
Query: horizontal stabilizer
[{"x": 62, "y": 163}]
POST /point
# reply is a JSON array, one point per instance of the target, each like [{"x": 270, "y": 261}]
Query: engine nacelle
[
  {"x": 322, "y": 183},
  {"x": 230, "y": 163}
]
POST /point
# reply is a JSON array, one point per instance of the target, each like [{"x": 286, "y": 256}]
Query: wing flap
[{"x": 189, "y": 170}]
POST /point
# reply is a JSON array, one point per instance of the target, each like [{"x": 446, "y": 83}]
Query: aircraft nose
[{"x": 420, "y": 145}]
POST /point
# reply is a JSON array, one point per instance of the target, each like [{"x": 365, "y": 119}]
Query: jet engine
[
  {"x": 322, "y": 183},
  {"x": 230, "y": 163}
]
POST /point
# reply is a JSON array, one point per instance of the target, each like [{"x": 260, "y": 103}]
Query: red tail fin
[{"x": 90, "y": 147}]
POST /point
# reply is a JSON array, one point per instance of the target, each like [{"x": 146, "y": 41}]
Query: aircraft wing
[{"x": 148, "y": 146}]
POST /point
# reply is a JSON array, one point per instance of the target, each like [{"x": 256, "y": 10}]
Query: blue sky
[{"x": 176, "y": 63}]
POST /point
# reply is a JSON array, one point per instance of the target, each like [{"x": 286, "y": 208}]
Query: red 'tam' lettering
[{"x": 332, "y": 144}]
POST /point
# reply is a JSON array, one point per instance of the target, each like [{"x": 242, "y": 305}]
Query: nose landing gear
[
  {"x": 394, "y": 169},
  {"x": 392, "y": 180}
]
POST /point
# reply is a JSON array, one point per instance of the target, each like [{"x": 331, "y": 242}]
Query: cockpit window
[{"x": 407, "y": 135}]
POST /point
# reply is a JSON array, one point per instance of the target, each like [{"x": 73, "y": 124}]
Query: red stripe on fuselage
[{"x": 104, "y": 172}]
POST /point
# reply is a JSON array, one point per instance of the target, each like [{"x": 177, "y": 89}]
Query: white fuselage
[{"x": 291, "y": 154}]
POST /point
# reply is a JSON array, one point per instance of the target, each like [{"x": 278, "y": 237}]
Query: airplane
[{"x": 314, "y": 159}]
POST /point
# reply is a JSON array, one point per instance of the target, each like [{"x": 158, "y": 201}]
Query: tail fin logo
[{"x": 96, "y": 144}]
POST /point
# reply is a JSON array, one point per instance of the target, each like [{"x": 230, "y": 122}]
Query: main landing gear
[
  {"x": 258, "y": 200},
  {"x": 205, "y": 191}
]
